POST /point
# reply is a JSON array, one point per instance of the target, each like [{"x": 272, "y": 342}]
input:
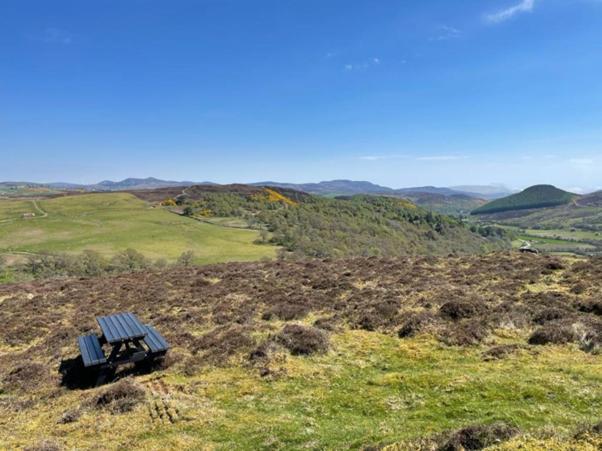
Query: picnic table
[{"x": 128, "y": 339}]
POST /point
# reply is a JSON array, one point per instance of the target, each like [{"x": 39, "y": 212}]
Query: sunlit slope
[
  {"x": 539, "y": 196},
  {"x": 109, "y": 223}
]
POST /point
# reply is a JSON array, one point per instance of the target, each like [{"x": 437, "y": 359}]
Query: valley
[{"x": 573, "y": 226}]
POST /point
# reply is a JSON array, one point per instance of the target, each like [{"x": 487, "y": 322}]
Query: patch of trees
[
  {"x": 88, "y": 264},
  {"x": 352, "y": 226}
]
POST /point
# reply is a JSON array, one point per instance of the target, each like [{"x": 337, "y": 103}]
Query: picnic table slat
[
  {"x": 91, "y": 350},
  {"x": 155, "y": 341},
  {"x": 121, "y": 327}
]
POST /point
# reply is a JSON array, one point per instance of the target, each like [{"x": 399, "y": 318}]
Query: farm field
[
  {"x": 559, "y": 241},
  {"x": 408, "y": 353},
  {"x": 112, "y": 222}
]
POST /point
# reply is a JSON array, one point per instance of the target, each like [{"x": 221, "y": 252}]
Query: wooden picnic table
[{"x": 129, "y": 341}]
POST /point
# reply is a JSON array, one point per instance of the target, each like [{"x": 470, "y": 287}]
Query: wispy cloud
[
  {"x": 56, "y": 36},
  {"x": 364, "y": 65},
  {"x": 581, "y": 162},
  {"x": 524, "y": 6},
  {"x": 441, "y": 158},
  {"x": 445, "y": 33},
  {"x": 378, "y": 157}
]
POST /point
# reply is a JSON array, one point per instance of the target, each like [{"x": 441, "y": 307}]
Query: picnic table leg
[
  {"x": 104, "y": 374},
  {"x": 114, "y": 352}
]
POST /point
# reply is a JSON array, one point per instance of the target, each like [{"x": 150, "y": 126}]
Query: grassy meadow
[
  {"x": 370, "y": 389},
  {"x": 109, "y": 223}
]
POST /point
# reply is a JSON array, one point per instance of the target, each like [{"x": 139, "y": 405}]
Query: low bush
[
  {"x": 479, "y": 437},
  {"x": 120, "y": 397},
  {"x": 456, "y": 310},
  {"x": 552, "y": 334},
  {"x": 302, "y": 340}
]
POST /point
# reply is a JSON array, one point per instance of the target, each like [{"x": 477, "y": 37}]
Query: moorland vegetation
[{"x": 423, "y": 353}]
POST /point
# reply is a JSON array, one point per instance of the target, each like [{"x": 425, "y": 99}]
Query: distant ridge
[
  {"x": 351, "y": 187},
  {"x": 538, "y": 196},
  {"x": 331, "y": 188}
]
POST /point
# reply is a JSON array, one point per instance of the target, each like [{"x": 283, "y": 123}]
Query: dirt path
[
  {"x": 43, "y": 214},
  {"x": 39, "y": 213}
]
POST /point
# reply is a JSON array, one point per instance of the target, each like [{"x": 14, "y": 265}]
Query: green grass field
[{"x": 109, "y": 223}]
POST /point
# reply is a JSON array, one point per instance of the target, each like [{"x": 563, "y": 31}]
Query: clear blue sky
[{"x": 398, "y": 92}]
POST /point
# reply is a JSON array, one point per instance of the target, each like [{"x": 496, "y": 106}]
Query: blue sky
[{"x": 400, "y": 93}]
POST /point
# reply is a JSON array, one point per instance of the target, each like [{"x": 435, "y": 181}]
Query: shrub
[
  {"x": 456, "y": 310},
  {"x": 44, "y": 445},
  {"x": 500, "y": 352},
  {"x": 464, "y": 334},
  {"x": 301, "y": 340},
  {"x": 479, "y": 437},
  {"x": 129, "y": 260},
  {"x": 26, "y": 376},
  {"x": 415, "y": 324},
  {"x": 286, "y": 312},
  {"x": 547, "y": 315},
  {"x": 186, "y": 259},
  {"x": 552, "y": 334},
  {"x": 120, "y": 397},
  {"x": 223, "y": 342}
]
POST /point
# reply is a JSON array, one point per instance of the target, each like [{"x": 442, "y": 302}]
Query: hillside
[
  {"x": 538, "y": 196},
  {"x": 316, "y": 226},
  {"x": 333, "y": 187},
  {"x": 489, "y": 192},
  {"x": 416, "y": 353},
  {"x": 112, "y": 222},
  {"x": 455, "y": 204},
  {"x": 590, "y": 200}
]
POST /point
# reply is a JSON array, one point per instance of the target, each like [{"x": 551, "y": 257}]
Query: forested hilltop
[{"x": 361, "y": 225}]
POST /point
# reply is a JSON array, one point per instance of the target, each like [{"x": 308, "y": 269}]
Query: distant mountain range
[
  {"x": 107, "y": 185},
  {"x": 327, "y": 188},
  {"x": 351, "y": 187}
]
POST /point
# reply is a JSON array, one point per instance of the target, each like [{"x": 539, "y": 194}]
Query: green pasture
[{"x": 111, "y": 222}]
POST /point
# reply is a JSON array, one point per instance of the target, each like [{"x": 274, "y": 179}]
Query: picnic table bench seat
[
  {"x": 91, "y": 351},
  {"x": 155, "y": 341}
]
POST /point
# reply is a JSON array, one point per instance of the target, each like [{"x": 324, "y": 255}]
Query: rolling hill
[
  {"x": 316, "y": 226},
  {"x": 452, "y": 201},
  {"x": 454, "y": 204},
  {"x": 220, "y": 223},
  {"x": 112, "y": 222},
  {"x": 538, "y": 196}
]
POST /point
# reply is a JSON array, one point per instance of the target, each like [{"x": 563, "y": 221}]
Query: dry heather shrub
[
  {"x": 552, "y": 334},
  {"x": 44, "y": 445},
  {"x": 286, "y": 312},
  {"x": 263, "y": 352},
  {"x": 500, "y": 352},
  {"x": 223, "y": 342},
  {"x": 328, "y": 323},
  {"x": 592, "y": 306},
  {"x": 479, "y": 437},
  {"x": 25, "y": 376},
  {"x": 468, "y": 333},
  {"x": 416, "y": 323},
  {"x": 120, "y": 397},
  {"x": 301, "y": 340},
  {"x": 456, "y": 310},
  {"x": 70, "y": 416},
  {"x": 549, "y": 314},
  {"x": 555, "y": 265}
]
